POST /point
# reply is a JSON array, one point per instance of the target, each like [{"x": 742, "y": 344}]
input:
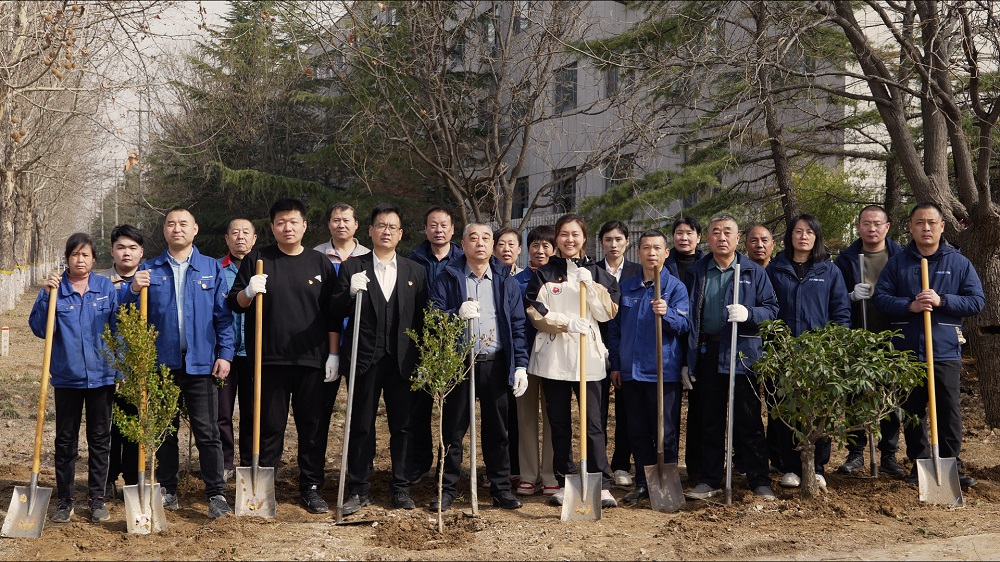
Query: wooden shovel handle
[
  {"x": 258, "y": 347},
  {"x": 929, "y": 353},
  {"x": 583, "y": 376},
  {"x": 144, "y": 314},
  {"x": 50, "y": 324}
]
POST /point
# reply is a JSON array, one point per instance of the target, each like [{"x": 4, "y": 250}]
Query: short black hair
[
  {"x": 612, "y": 225},
  {"x": 690, "y": 221},
  {"x": 818, "y": 253},
  {"x": 508, "y": 230},
  {"x": 341, "y": 207},
  {"x": 746, "y": 233},
  {"x": 229, "y": 225},
  {"x": 286, "y": 204},
  {"x": 926, "y": 205},
  {"x": 878, "y": 208},
  {"x": 542, "y": 233},
  {"x": 385, "y": 209},
  {"x": 438, "y": 209},
  {"x": 128, "y": 231},
  {"x": 652, "y": 233},
  {"x": 176, "y": 208},
  {"x": 76, "y": 240}
]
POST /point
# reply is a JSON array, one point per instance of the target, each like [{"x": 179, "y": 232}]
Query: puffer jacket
[
  {"x": 849, "y": 267},
  {"x": 820, "y": 298},
  {"x": 551, "y": 302}
]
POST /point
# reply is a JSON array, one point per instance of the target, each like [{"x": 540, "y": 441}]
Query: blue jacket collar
[{"x": 192, "y": 260}]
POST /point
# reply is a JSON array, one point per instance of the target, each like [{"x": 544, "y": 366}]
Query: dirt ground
[{"x": 854, "y": 518}]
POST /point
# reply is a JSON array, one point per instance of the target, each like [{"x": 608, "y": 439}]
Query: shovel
[
  {"x": 255, "y": 484},
  {"x": 937, "y": 477},
  {"x": 474, "y": 482},
  {"x": 732, "y": 389},
  {"x": 662, "y": 480},
  {"x": 26, "y": 514},
  {"x": 339, "y": 513},
  {"x": 864, "y": 326},
  {"x": 143, "y": 502},
  {"x": 582, "y": 493}
]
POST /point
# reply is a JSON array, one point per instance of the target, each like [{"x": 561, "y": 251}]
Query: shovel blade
[
  {"x": 144, "y": 512},
  {"x": 255, "y": 492},
  {"x": 582, "y": 497},
  {"x": 26, "y": 515},
  {"x": 949, "y": 492},
  {"x": 663, "y": 481}
]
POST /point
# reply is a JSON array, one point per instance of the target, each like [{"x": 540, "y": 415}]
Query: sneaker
[
  {"x": 402, "y": 500},
  {"x": 228, "y": 474},
  {"x": 623, "y": 478},
  {"x": 821, "y": 480},
  {"x": 557, "y": 497},
  {"x": 98, "y": 511},
  {"x": 639, "y": 493},
  {"x": 170, "y": 501},
  {"x": 527, "y": 489},
  {"x": 445, "y": 504},
  {"x": 764, "y": 493},
  {"x": 607, "y": 500},
  {"x": 551, "y": 491},
  {"x": 854, "y": 463},
  {"x": 217, "y": 507},
  {"x": 790, "y": 480},
  {"x": 702, "y": 492},
  {"x": 891, "y": 467},
  {"x": 312, "y": 501},
  {"x": 966, "y": 482},
  {"x": 64, "y": 510}
]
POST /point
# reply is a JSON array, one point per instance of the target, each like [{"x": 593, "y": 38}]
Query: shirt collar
[
  {"x": 332, "y": 250},
  {"x": 392, "y": 263},
  {"x": 487, "y": 275}
]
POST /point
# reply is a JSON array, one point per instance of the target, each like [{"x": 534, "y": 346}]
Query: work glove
[
  {"x": 737, "y": 313},
  {"x": 862, "y": 291},
  {"x": 256, "y": 286},
  {"x": 578, "y": 326},
  {"x": 520, "y": 382},
  {"x": 582, "y": 275},
  {"x": 359, "y": 282},
  {"x": 468, "y": 310},
  {"x": 332, "y": 368},
  {"x": 687, "y": 379}
]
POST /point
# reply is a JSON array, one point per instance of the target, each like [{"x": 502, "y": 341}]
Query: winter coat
[
  {"x": 849, "y": 267},
  {"x": 820, "y": 298}
]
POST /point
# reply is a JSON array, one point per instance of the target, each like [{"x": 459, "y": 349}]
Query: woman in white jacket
[{"x": 553, "y": 306}]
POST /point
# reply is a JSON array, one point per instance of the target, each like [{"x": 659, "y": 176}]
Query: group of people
[{"x": 527, "y": 326}]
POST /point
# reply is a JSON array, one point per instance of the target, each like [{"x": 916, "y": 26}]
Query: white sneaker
[
  {"x": 790, "y": 480},
  {"x": 557, "y": 498},
  {"x": 607, "y": 500},
  {"x": 623, "y": 478},
  {"x": 821, "y": 480}
]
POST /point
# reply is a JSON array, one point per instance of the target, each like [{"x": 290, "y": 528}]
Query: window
[
  {"x": 519, "y": 204},
  {"x": 617, "y": 80},
  {"x": 489, "y": 35},
  {"x": 563, "y": 193},
  {"x": 521, "y": 21},
  {"x": 565, "y": 93},
  {"x": 619, "y": 171}
]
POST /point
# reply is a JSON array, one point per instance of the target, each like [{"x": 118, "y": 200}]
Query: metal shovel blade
[
  {"x": 255, "y": 492},
  {"x": 582, "y": 497},
  {"x": 663, "y": 481},
  {"x": 26, "y": 514},
  {"x": 949, "y": 491},
  {"x": 144, "y": 509}
]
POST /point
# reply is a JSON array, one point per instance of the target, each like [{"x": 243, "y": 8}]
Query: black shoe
[
  {"x": 64, "y": 511},
  {"x": 446, "y": 501},
  {"x": 312, "y": 501},
  {"x": 913, "y": 478},
  {"x": 639, "y": 493},
  {"x": 98, "y": 512},
  {"x": 402, "y": 500},
  {"x": 966, "y": 482},
  {"x": 891, "y": 467},
  {"x": 356, "y": 502},
  {"x": 110, "y": 491},
  {"x": 506, "y": 500},
  {"x": 854, "y": 463}
]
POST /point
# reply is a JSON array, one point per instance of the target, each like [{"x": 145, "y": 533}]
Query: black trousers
[
  {"x": 280, "y": 384},
  {"x": 512, "y": 433},
  {"x": 888, "y": 443},
  {"x": 382, "y": 378},
  {"x": 947, "y": 376},
  {"x": 200, "y": 393},
  {"x": 329, "y": 390},
  {"x": 70, "y": 403},
  {"x": 492, "y": 390},
  {"x": 124, "y": 459},
  {"x": 239, "y": 384},
  {"x": 640, "y": 400},
  {"x": 791, "y": 459},
  {"x": 420, "y": 435},
  {"x": 621, "y": 459},
  {"x": 558, "y": 405},
  {"x": 692, "y": 442},
  {"x": 748, "y": 428}
]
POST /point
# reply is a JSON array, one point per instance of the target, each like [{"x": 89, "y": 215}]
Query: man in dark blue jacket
[
  {"x": 955, "y": 293},
  {"x": 872, "y": 243},
  {"x": 710, "y": 285},
  {"x": 476, "y": 289}
]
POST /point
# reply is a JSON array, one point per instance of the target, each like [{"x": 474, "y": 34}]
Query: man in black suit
[
  {"x": 395, "y": 294},
  {"x": 614, "y": 240}
]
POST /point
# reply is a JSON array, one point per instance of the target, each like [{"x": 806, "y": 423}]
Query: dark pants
[
  {"x": 791, "y": 459},
  {"x": 622, "y": 457},
  {"x": 239, "y": 383},
  {"x": 70, "y": 403},
  {"x": 640, "y": 399},
  {"x": 303, "y": 386},
  {"x": 492, "y": 390},
  {"x": 748, "y": 428},
  {"x": 947, "y": 375},
  {"x": 382, "y": 378},
  {"x": 124, "y": 459},
  {"x": 558, "y": 405},
  {"x": 422, "y": 447},
  {"x": 692, "y": 443},
  {"x": 200, "y": 393},
  {"x": 512, "y": 433},
  {"x": 330, "y": 390},
  {"x": 888, "y": 443}
]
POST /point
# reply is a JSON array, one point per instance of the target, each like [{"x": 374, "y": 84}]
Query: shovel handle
[
  {"x": 929, "y": 353},
  {"x": 144, "y": 314},
  {"x": 659, "y": 367},
  {"x": 864, "y": 303},
  {"x": 258, "y": 347},
  {"x": 50, "y": 325},
  {"x": 583, "y": 378}
]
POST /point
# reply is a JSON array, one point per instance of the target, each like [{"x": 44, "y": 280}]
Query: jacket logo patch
[
  {"x": 318, "y": 278},
  {"x": 556, "y": 290},
  {"x": 310, "y": 281}
]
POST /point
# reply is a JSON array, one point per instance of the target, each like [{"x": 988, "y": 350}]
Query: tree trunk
[
  {"x": 983, "y": 331},
  {"x": 439, "y": 403},
  {"x": 807, "y": 452},
  {"x": 7, "y": 179},
  {"x": 23, "y": 220}
]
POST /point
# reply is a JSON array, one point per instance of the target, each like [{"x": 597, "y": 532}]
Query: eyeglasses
[
  {"x": 390, "y": 228},
  {"x": 875, "y": 224}
]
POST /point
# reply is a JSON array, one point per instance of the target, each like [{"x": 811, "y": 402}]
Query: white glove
[
  {"x": 468, "y": 310},
  {"x": 578, "y": 326},
  {"x": 332, "y": 368},
  {"x": 359, "y": 282},
  {"x": 582, "y": 275},
  {"x": 862, "y": 291},
  {"x": 257, "y": 285},
  {"x": 520, "y": 381},
  {"x": 687, "y": 379},
  {"x": 737, "y": 313}
]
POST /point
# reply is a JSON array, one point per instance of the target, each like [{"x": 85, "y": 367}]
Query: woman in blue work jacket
[{"x": 79, "y": 373}]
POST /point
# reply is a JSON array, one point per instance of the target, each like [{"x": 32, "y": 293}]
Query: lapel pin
[{"x": 410, "y": 283}]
